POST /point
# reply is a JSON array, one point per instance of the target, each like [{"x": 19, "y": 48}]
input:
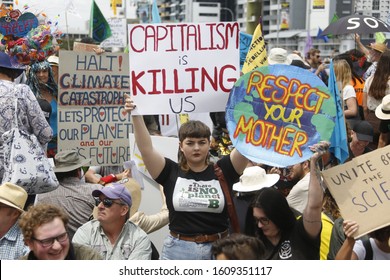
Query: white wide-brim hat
[
  {"x": 255, "y": 178},
  {"x": 383, "y": 110},
  {"x": 278, "y": 56}
]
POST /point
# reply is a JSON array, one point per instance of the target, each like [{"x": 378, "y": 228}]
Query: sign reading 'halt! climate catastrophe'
[
  {"x": 91, "y": 115},
  {"x": 274, "y": 113},
  {"x": 184, "y": 67}
]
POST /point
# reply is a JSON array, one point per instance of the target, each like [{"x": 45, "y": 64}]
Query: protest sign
[
  {"x": 166, "y": 146},
  {"x": 275, "y": 113},
  {"x": 183, "y": 67},
  {"x": 91, "y": 115},
  {"x": 118, "y": 38},
  {"x": 18, "y": 27},
  {"x": 361, "y": 188}
]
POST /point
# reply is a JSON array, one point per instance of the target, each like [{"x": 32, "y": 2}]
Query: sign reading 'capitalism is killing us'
[{"x": 275, "y": 113}]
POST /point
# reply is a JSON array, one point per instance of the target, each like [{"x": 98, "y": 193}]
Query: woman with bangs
[{"x": 198, "y": 213}]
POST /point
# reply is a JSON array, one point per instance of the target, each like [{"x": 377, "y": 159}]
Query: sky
[{"x": 55, "y": 11}]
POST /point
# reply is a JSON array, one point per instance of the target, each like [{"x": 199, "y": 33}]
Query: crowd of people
[{"x": 284, "y": 213}]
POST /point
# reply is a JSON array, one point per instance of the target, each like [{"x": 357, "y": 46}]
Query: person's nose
[{"x": 56, "y": 245}]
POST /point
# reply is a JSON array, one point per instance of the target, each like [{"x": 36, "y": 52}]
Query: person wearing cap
[
  {"x": 41, "y": 81},
  {"x": 286, "y": 237},
  {"x": 73, "y": 194},
  {"x": 112, "y": 234},
  {"x": 375, "y": 89},
  {"x": 362, "y": 135},
  {"x": 12, "y": 201},
  {"x": 45, "y": 231},
  {"x": 30, "y": 116}
]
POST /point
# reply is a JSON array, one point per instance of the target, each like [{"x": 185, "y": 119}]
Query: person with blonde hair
[{"x": 343, "y": 74}]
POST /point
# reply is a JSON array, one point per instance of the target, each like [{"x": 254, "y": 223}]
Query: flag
[
  {"x": 380, "y": 37},
  {"x": 71, "y": 9},
  {"x": 334, "y": 19},
  {"x": 324, "y": 37},
  {"x": 155, "y": 13},
  {"x": 245, "y": 43},
  {"x": 338, "y": 140},
  {"x": 99, "y": 27},
  {"x": 309, "y": 43},
  {"x": 257, "y": 54}
]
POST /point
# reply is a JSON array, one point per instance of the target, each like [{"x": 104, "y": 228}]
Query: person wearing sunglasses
[
  {"x": 285, "y": 237},
  {"x": 45, "y": 231},
  {"x": 112, "y": 234}
]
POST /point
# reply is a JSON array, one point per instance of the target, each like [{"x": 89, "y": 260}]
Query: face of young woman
[
  {"x": 195, "y": 150},
  {"x": 43, "y": 76}
]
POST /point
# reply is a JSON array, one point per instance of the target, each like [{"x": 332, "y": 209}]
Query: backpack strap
[{"x": 368, "y": 247}]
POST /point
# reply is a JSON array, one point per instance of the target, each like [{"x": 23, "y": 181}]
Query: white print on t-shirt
[
  {"x": 198, "y": 196},
  {"x": 285, "y": 250}
]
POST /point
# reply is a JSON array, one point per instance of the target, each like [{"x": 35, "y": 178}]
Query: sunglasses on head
[{"x": 107, "y": 202}]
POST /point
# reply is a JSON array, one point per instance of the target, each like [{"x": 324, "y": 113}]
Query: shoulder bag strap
[
  {"x": 368, "y": 247},
  {"x": 231, "y": 208}
]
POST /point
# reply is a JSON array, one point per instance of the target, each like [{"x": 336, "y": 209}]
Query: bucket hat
[{"x": 68, "y": 160}]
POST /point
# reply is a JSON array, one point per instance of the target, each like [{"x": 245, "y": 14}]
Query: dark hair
[
  {"x": 87, "y": 40},
  {"x": 191, "y": 129},
  {"x": 382, "y": 73},
  {"x": 63, "y": 175},
  {"x": 239, "y": 246},
  {"x": 382, "y": 234},
  {"x": 349, "y": 59},
  {"x": 275, "y": 207},
  {"x": 12, "y": 74}
]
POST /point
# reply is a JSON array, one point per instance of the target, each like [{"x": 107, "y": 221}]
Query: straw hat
[
  {"x": 380, "y": 47},
  {"x": 13, "y": 195},
  {"x": 255, "y": 178}
]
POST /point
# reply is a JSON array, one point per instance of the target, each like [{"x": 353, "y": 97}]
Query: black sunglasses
[{"x": 107, "y": 202}]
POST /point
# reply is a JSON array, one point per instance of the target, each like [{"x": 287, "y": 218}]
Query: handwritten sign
[
  {"x": 183, "y": 67},
  {"x": 19, "y": 27},
  {"x": 275, "y": 113},
  {"x": 118, "y": 38},
  {"x": 361, "y": 189},
  {"x": 89, "y": 118}
]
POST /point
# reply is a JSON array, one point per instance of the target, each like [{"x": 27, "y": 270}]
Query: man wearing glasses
[
  {"x": 112, "y": 234},
  {"x": 313, "y": 57},
  {"x": 44, "y": 228}
]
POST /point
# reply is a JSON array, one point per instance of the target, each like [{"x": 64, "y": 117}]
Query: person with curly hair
[{"x": 45, "y": 231}]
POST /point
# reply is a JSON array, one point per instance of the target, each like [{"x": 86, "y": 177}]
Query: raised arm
[
  {"x": 154, "y": 161},
  {"x": 312, "y": 213},
  {"x": 239, "y": 161},
  {"x": 346, "y": 250}
]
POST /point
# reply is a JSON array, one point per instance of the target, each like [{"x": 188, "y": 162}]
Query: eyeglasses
[
  {"x": 62, "y": 238},
  {"x": 262, "y": 220},
  {"x": 107, "y": 202}
]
